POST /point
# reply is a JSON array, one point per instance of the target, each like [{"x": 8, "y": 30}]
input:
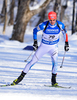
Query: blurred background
[{"x": 21, "y": 16}]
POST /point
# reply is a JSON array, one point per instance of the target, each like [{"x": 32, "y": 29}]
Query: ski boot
[
  {"x": 53, "y": 80},
  {"x": 19, "y": 79}
]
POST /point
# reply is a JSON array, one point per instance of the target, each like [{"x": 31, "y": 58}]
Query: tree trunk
[
  {"x": 63, "y": 7},
  {"x": 21, "y": 22},
  {"x": 3, "y": 12},
  {"x": 57, "y": 8},
  {"x": 42, "y": 16},
  {"x": 73, "y": 24},
  {"x": 32, "y": 2},
  {"x": 19, "y": 2},
  {"x": 5, "y": 18},
  {"x": 76, "y": 22},
  {"x": 11, "y": 21},
  {"x": 24, "y": 15}
]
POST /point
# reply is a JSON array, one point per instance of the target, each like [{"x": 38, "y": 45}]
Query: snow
[{"x": 12, "y": 58}]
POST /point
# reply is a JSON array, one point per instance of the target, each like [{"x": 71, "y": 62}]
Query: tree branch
[{"x": 43, "y": 6}]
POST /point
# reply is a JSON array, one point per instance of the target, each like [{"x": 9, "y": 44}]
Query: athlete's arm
[{"x": 38, "y": 28}]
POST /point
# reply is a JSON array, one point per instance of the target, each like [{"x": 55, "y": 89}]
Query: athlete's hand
[
  {"x": 35, "y": 45},
  {"x": 66, "y": 47}
]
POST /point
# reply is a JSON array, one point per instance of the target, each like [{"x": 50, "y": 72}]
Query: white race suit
[{"x": 49, "y": 44}]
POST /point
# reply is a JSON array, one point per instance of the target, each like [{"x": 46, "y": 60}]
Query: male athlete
[{"x": 49, "y": 44}]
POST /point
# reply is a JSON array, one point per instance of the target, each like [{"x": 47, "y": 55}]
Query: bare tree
[
  {"x": 11, "y": 20},
  {"x": 2, "y": 12},
  {"x": 19, "y": 2},
  {"x": 32, "y": 2},
  {"x": 63, "y": 7},
  {"x": 76, "y": 18},
  {"x": 5, "y": 18},
  {"x": 42, "y": 14},
  {"x": 76, "y": 22},
  {"x": 73, "y": 18},
  {"x": 57, "y": 8},
  {"x": 24, "y": 15}
]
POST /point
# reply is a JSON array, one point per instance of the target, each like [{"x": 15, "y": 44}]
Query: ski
[
  {"x": 5, "y": 85},
  {"x": 58, "y": 86}
]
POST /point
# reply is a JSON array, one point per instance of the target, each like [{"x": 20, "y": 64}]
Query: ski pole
[
  {"x": 63, "y": 60},
  {"x": 28, "y": 56}
]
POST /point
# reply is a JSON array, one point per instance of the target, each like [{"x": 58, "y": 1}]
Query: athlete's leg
[
  {"x": 54, "y": 63},
  {"x": 54, "y": 56},
  {"x": 38, "y": 54}
]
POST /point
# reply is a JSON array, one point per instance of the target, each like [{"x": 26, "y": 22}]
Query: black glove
[
  {"x": 35, "y": 45},
  {"x": 66, "y": 47}
]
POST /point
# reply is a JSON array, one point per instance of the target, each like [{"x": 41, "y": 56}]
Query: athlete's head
[{"x": 52, "y": 16}]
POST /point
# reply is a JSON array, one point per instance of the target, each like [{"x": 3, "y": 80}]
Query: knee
[{"x": 34, "y": 60}]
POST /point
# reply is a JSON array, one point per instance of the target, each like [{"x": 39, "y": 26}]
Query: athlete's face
[{"x": 53, "y": 21}]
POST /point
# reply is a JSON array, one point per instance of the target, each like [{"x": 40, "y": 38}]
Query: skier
[{"x": 49, "y": 44}]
